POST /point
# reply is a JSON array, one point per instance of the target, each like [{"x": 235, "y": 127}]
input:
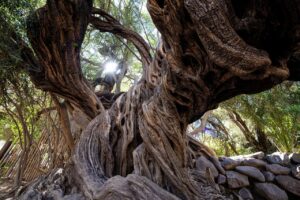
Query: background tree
[
  {"x": 266, "y": 122},
  {"x": 272, "y": 117}
]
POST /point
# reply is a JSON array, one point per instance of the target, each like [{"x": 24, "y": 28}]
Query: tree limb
[
  {"x": 107, "y": 23},
  {"x": 56, "y": 32}
]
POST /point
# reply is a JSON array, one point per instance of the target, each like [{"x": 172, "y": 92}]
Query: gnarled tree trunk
[{"x": 210, "y": 51}]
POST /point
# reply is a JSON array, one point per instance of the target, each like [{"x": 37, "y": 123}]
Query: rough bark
[
  {"x": 210, "y": 51},
  {"x": 65, "y": 122},
  {"x": 56, "y": 32}
]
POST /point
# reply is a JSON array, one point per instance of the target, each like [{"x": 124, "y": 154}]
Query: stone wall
[{"x": 256, "y": 176}]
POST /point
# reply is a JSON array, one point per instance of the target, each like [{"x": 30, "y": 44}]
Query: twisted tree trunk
[{"x": 138, "y": 148}]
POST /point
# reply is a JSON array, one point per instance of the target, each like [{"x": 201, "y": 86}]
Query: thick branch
[
  {"x": 222, "y": 44},
  {"x": 205, "y": 48},
  {"x": 56, "y": 32}
]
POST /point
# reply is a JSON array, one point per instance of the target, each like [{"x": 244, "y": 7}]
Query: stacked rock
[{"x": 256, "y": 176}]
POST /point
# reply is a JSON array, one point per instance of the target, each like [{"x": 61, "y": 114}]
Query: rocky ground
[
  {"x": 256, "y": 176},
  {"x": 6, "y": 186}
]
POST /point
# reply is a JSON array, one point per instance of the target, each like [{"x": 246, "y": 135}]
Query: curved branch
[
  {"x": 56, "y": 32},
  {"x": 107, "y": 23}
]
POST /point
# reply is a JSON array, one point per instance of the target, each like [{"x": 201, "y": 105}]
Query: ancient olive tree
[{"x": 137, "y": 148}]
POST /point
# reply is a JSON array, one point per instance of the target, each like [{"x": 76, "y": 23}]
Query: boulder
[
  {"x": 221, "y": 179},
  {"x": 251, "y": 172},
  {"x": 289, "y": 183},
  {"x": 269, "y": 176},
  {"x": 296, "y": 171},
  {"x": 245, "y": 194},
  {"x": 228, "y": 163},
  {"x": 203, "y": 163},
  {"x": 236, "y": 180},
  {"x": 270, "y": 191},
  {"x": 278, "y": 169},
  {"x": 278, "y": 158},
  {"x": 253, "y": 162},
  {"x": 295, "y": 157}
]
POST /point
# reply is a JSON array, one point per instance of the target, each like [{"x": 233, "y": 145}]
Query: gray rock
[
  {"x": 270, "y": 191},
  {"x": 289, "y": 183},
  {"x": 203, "y": 163},
  {"x": 221, "y": 179},
  {"x": 253, "y": 162},
  {"x": 228, "y": 163},
  {"x": 269, "y": 176},
  {"x": 245, "y": 194},
  {"x": 295, "y": 157},
  {"x": 296, "y": 171},
  {"x": 236, "y": 180},
  {"x": 278, "y": 158},
  {"x": 218, "y": 165},
  {"x": 258, "y": 155},
  {"x": 278, "y": 169},
  {"x": 251, "y": 172}
]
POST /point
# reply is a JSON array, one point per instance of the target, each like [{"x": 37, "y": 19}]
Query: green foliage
[
  {"x": 14, "y": 13},
  {"x": 20, "y": 102},
  {"x": 276, "y": 112},
  {"x": 222, "y": 147},
  {"x": 13, "y": 25}
]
